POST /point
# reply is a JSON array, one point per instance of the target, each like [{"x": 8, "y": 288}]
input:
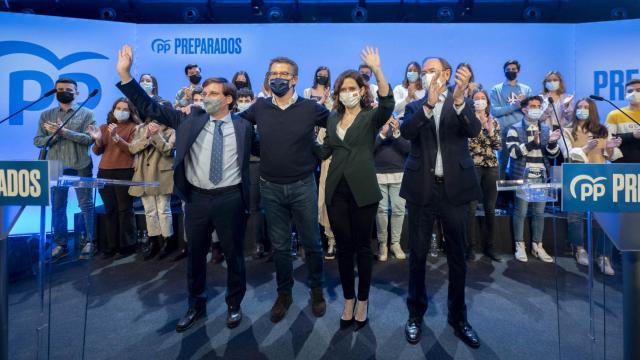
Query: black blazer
[
  {"x": 460, "y": 182},
  {"x": 352, "y": 158},
  {"x": 188, "y": 128}
]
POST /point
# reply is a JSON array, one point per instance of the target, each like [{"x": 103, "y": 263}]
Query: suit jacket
[
  {"x": 352, "y": 158},
  {"x": 188, "y": 128},
  {"x": 460, "y": 182}
]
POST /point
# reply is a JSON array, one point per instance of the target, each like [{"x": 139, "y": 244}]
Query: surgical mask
[
  {"x": 511, "y": 75},
  {"x": 147, "y": 86},
  {"x": 195, "y": 79},
  {"x": 582, "y": 114},
  {"x": 243, "y": 106},
  {"x": 323, "y": 80},
  {"x": 633, "y": 97},
  {"x": 412, "y": 76},
  {"x": 480, "y": 105},
  {"x": 534, "y": 114},
  {"x": 121, "y": 115},
  {"x": 279, "y": 86},
  {"x": 64, "y": 97},
  {"x": 552, "y": 85},
  {"x": 350, "y": 99},
  {"x": 366, "y": 77},
  {"x": 212, "y": 106}
]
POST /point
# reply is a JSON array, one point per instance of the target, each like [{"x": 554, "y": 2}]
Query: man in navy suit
[
  {"x": 439, "y": 181},
  {"x": 211, "y": 174}
]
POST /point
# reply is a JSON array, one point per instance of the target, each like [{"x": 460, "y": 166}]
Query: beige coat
[{"x": 154, "y": 160}]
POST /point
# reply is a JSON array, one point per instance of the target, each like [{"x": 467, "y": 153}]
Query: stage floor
[{"x": 520, "y": 311}]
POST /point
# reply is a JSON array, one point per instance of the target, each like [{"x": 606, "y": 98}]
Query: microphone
[
  {"x": 564, "y": 141},
  {"x": 47, "y": 94},
  {"x": 600, "y": 98},
  {"x": 45, "y": 149}
]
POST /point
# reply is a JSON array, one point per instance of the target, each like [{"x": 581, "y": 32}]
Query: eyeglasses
[{"x": 284, "y": 74}]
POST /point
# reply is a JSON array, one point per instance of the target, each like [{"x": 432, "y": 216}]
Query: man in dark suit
[
  {"x": 211, "y": 174},
  {"x": 439, "y": 181}
]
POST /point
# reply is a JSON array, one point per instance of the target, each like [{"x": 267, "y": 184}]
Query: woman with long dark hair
[{"x": 410, "y": 89}]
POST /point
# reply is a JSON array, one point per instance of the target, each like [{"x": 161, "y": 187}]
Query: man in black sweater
[{"x": 285, "y": 124}]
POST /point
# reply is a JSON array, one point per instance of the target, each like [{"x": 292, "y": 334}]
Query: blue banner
[
  {"x": 601, "y": 187},
  {"x": 24, "y": 183}
]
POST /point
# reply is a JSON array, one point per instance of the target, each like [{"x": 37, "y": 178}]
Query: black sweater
[
  {"x": 391, "y": 153},
  {"x": 287, "y": 138}
]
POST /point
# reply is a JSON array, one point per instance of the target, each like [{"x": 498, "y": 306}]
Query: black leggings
[
  {"x": 352, "y": 227},
  {"x": 487, "y": 176}
]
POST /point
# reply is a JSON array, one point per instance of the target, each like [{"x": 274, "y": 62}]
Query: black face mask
[
  {"x": 64, "y": 97},
  {"x": 366, "y": 77},
  {"x": 323, "y": 80},
  {"x": 240, "y": 84},
  {"x": 511, "y": 75},
  {"x": 195, "y": 79},
  {"x": 279, "y": 87}
]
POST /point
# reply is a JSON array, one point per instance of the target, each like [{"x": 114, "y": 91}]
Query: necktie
[{"x": 215, "y": 170}]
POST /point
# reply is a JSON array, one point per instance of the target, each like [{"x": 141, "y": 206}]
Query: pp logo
[
  {"x": 589, "y": 188},
  {"x": 161, "y": 46},
  {"x": 18, "y": 79}
]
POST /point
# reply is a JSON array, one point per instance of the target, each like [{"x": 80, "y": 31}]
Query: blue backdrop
[{"x": 35, "y": 50}]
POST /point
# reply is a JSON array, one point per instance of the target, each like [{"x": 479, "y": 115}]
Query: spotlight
[
  {"x": 256, "y": 7},
  {"x": 275, "y": 14},
  {"x": 359, "y": 14},
  {"x": 108, "y": 13},
  {"x": 618, "y": 13},
  {"x": 445, "y": 14},
  {"x": 532, "y": 14},
  {"x": 191, "y": 15}
]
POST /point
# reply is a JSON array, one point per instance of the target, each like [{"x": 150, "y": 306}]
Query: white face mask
[
  {"x": 120, "y": 115},
  {"x": 534, "y": 114},
  {"x": 243, "y": 106},
  {"x": 552, "y": 85},
  {"x": 349, "y": 99},
  {"x": 426, "y": 80},
  {"x": 634, "y": 97},
  {"x": 582, "y": 114},
  {"x": 480, "y": 105}
]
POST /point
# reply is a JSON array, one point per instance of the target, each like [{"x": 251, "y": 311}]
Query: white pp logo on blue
[{"x": 589, "y": 187}]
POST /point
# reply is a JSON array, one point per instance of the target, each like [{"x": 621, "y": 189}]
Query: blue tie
[{"x": 215, "y": 170}]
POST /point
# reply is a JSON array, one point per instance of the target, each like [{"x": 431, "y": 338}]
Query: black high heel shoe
[
  {"x": 361, "y": 324},
  {"x": 344, "y": 324}
]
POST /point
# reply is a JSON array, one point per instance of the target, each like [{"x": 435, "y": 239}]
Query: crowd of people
[{"x": 352, "y": 156}]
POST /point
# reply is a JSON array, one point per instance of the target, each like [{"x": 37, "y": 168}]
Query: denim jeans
[
  {"x": 298, "y": 203},
  {"x": 537, "y": 220},
  {"x": 576, "y": 223},
  {"x": 391, "y": 200},
  {"x": 59, "y": 195}
]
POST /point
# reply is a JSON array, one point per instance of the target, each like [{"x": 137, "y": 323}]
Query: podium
[{"x": 28, "y": 183}]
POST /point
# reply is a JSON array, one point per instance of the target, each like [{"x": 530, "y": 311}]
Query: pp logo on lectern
[{"x": 589, "y": 187}]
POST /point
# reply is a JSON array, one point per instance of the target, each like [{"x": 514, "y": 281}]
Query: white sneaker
[
  {"x": 582, "y": 257},
  {"x": 538, "y": 251},
  {"x": 382, "y": 252},
  {"x": 397, "y": 252},
  {"x": 605, "y": 265},
  {"x": 521, "y": 252},
  {"x": 87, "y": 251}
]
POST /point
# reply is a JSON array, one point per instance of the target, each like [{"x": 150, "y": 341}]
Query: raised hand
[
  {"x": 125, "y": 60},
  {"x": 152, "y": 129},
  {"x": 112, "y": 129},
  {"x": 462, "y": 78},
  {"x": 94, "y": 132},
  {"x": 555, "y": 135},
  {"x": 613, "y": 143},
  {"x": 371, "y": 57},
  {"x": 591, "y": 144}
]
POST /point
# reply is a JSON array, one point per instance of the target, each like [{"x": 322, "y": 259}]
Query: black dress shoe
[
  {"x": 181, "y": 255},
  {"x": 345, "y": 324},
  {"x": 152, "y": 249},
  {"x": 234, "y": 316},
  {"x": 491, "y": 255},
  {"x": 465, "y": 332},
  {"x": 361, "y": 324},
  {"x": 192, "y": 315},
  {"x": 168, "y": 246},
  {"x": 413, "y": 331}
]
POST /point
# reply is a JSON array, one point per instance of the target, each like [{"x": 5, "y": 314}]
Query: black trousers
[
  {"x": 120, "y": 225},
  {"x": 487, "y": 177},
  {"x": 454, "y": 224},
  {"x": 225, "y": 214},
  {"x": 352, "y": 226}
]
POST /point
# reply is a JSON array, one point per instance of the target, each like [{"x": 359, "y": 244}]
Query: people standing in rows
[
  {"x": 112, "y": 141},
  {"x": 241, "y": 80},
  {"x": 286, "y": 125},
  {"x": 505, "y": 100},
  {"x": 589, "y": 142},
  {"x": 352, "y": 193},
  {"x": 153, "y": 146},
  {"x": 531, "y": 145},
  {"x": 439, "y": 181},
  {"x": 483, "y": 151},
  {"x": 410, "y": 90},
  {"x": 184, "y": 97},
  {"x": 71, "y": 147},
  {"x": 211, "y": 174}
]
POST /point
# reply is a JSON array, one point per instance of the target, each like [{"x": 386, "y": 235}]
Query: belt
[
  {"x": 439, "y": 179},
  {"x": 216, "y": 191}
]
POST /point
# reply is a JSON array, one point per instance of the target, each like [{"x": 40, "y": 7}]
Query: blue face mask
[
  {"x": 279, "y": 86},
  {"x": 582, "y": 114},
  {"x": 412, "y": 76},
  {"x": 147, "y": 86}
]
